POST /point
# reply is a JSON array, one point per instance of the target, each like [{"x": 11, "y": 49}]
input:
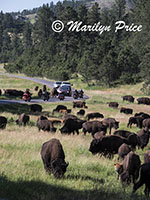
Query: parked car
[
  {"x": 57, "y": 84},
  {"x": 66, "y": 83},
  {"x": 65, "y": 89}
]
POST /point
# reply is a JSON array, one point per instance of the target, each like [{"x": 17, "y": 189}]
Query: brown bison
[
  {"x": 36, "y": 108},
  {"x": 13, "y": 92},
  {"x": 144, "y": 100},
  {"x": 107, "y": 145},
  {"x": 123, "y": 150},
  {"x": 144, "y": 179},
  {"x": 99, "y": 135},
  {"x": 123, "y": 133},
  {"x": 93, "y": 127},
  {"x": 79, "y": 104},
  {"x": 147, "y": 156},
  {"x": 36, "y": 88},
  {"x": 66, "y": 117},
  {"x": 146, "y": 124},
  {"x": 81, "y": 112},
  {"x": 3, "y": 122},
  {"x": 142, "y": 114},
  {"x": 23, "y": 119},
  {"x": 110, "y": 123},
  {"x": 94, "y": 115},
  {"x": 113, "y": 104},
  {"x": 129, "y": 170},
  {"x": 126, "y": 110},
  {"x": 45, "y": 125},
  {"x": 143, "y": 137},
  {"x": 138, "y": 120},
  {"x": 53, "y": 158},
  {"x": 40, "y": 93},
  {"x": 72, "y": 126},
  {"x": 59, "y": 107},
  {"x": 128, "y": 98}
]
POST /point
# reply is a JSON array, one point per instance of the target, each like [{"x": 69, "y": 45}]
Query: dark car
[{"x": 65, "y": 89}]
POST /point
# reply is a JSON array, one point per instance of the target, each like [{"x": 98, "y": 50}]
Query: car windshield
[
  {"x": 58, "y": 82},
  {"x": 65, "y": 87}
]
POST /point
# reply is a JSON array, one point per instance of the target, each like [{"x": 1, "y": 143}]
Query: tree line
[{"x": 107, "y": 59}]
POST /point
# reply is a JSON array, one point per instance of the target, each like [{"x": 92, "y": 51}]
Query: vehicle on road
[
  {"x": 57, "y": 84},
  {"x": 65, "y": 89}
]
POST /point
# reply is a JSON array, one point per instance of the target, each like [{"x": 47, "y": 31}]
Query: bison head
[
  {"x": 116, "y": 125},
  {"x": 59, "y": 168},
  {"x": 95, "y": 146}
]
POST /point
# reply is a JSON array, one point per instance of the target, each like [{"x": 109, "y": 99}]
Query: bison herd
[{"x": 122, "y": 142}]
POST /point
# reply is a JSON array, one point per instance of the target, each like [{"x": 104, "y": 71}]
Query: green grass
[{"x": 88, "y": 177}]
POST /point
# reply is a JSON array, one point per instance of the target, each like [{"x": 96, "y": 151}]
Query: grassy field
[{"x": 88, "y": 177}]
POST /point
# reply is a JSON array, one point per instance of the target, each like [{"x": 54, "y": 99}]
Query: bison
[
  {"x": 13, "y": 92},
  {"x": 110, "y": 123},
  {"x": 45, "y": 125},
  {"x": 147, "y": 156},
  {"x": 93, "y": 127},
  {"x": 146, "y": 124},
  {"x": 126, "y": 110},
  {"x": 99, "y": 135},
  {"x": 135, "y": 120},
  {"x": 144, "y": 179},
  {"x": 36, "y": 108},
  {"x": 72, "y": 125},
  {"x": 129, "y": 170},
  {"x": 144, "y": 100},
  {"x": 79, "y": 104},
  {"x": 108, "y": 145},
  {"x": 23, "y": 119},
  {"x": 81, "y": 112},
  {"x": 3, "y": 122},
  {"x": 143, "y": 137},
  {"x": 128, "y": 98},
  {"x": 123, "y": 133},
  {"x": 123, "y": 150},
  {"x": 94, "y": 115},
  {"x": 113, "y": 104},
  {"x": 53, "y": 158},
  {"x": 59, "y": 107}
]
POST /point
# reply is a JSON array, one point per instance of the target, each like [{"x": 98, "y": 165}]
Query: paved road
[{"x": 41, "y": 81}]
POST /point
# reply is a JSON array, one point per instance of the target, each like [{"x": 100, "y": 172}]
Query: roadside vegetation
[{"x": 22, "y": 175}]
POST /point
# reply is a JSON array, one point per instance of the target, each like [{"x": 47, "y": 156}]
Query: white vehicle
[
  {"x": 66, "y": 83},
  {"x": 57, "y": 84}
]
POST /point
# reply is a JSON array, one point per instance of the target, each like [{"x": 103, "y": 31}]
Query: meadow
[{"x": 88, "y": 177}]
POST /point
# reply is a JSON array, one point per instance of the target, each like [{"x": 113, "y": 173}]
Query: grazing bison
[
  {"x": 23, "y": 119},
  {"x": 72, "y": 126},
  {"x": 133, "y": 141},
  {"x": 3, "y": 122},
  {"x": 143, "y": 137},
  {"x": 144, "y": 100},
  {"x": 146, "y": 124},
  {"x": 53, "y": 158},
  {"x": 142, "y": 114},
  {"x": 144, "y": 179},
  {"x": 107, "y": 145},
  {"x": 147, "y": 156},
  {"x": 129, "y": 170},
  {"x": 66, "y": 117},
  {"x": 126, "y": 110},
  {"x": 93, "y": 127},
  {"x": 110, "y": 123},
  {"x": 99, "y": 135},
  {"x": 36, "y": 108},
  {"x": 45, "y": 125},
  {"x": 59, "y": 107},
  {"x": 81, "y": 112},
  {"x": 79, "y": 104},
  {"x": 123, "y": 150},
  {"x": 128, "y": 98},
  {"x": 113, "y": 104},
  {"x": 13, "y": 92},
  {"x": 42, "y": 118},
  {"x": 123, "y": 133},
  {"x": 135, "y": 120},
  {"x": 94, "y": 115}
]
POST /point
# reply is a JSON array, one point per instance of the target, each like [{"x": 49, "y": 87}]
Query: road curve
[{"x": 41, "y": 81}]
